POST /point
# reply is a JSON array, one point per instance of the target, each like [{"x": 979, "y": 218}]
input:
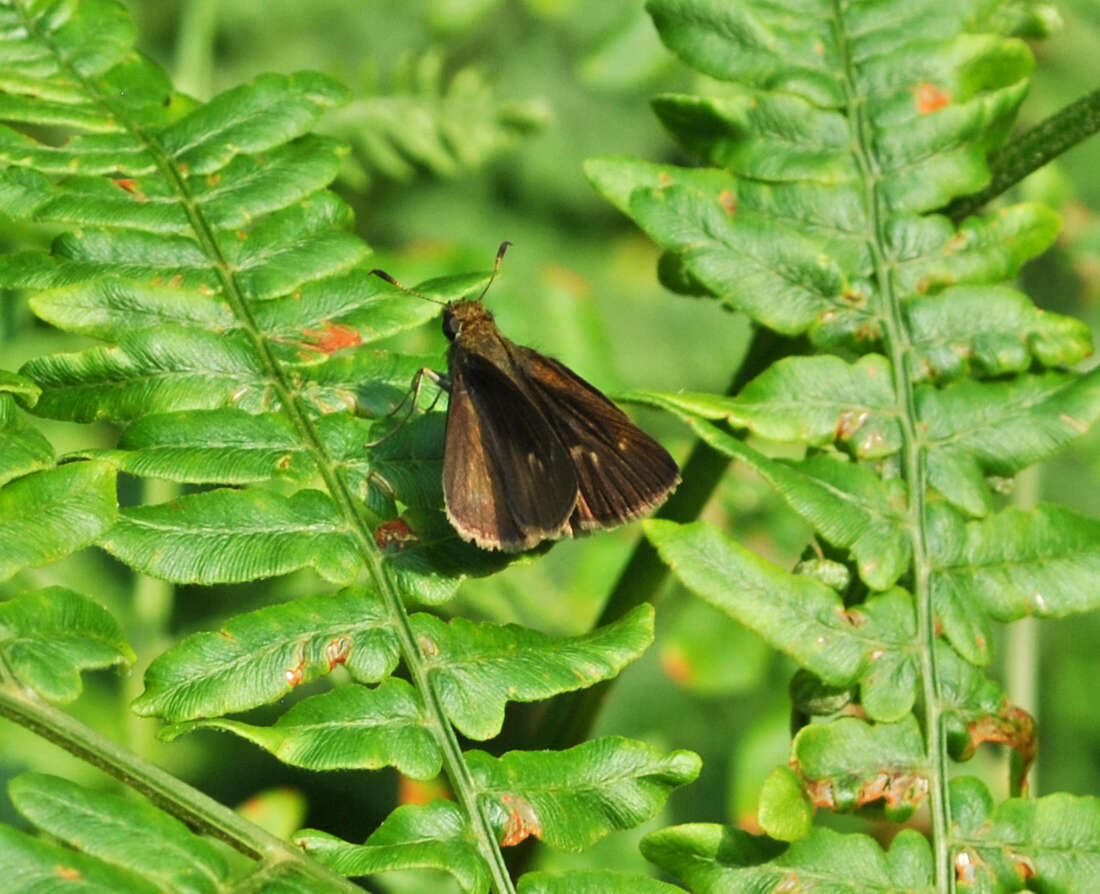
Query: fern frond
[
  {"x": 427, "y": 121},
  {"x": 832, "y": 135},
  {"x": 239, "y": 317}
]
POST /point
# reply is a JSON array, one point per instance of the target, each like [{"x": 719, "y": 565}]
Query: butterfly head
[{"x": 463, "y": 318}]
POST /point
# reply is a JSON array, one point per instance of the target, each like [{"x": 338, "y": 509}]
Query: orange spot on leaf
[
  {"x": 332, "y": 337},
  {"x": 128, "y": 184},
  {"x": 68, "y": 873},
  {"x": 728, "y": 201},
  {"x": 522, "y": 821},
  {"x": 930, "y": 98}
]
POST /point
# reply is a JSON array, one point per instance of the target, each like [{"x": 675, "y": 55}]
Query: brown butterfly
[{"x": 532, "y": 451}]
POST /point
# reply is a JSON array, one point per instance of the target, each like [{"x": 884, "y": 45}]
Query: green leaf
[
  {"x": 22, "y": 449},
  {"x": 1046, "y": 844},
  {"x": 151, "y": 371},
  {"x": 869, "y": 644},
  {"x": 848, "y": 763},
  {"x": 833, "y": 213},
  {"x": 571, "y": 799},
  {"x": 47, "y": 515},
  {"x": 132, "y": 836},
  {"x": 779, "y": 277},
  {"x": 934, "y": 254},
  {"x": 1015, "y": 563},
  {"x": 847, "y": 504},
  {"x": 349, "y": 728},
  {"x": 785, "y": 812},
  {"x": 20, "y": 386},
  {"x": 975, "y": 429},
  {"x": 49, "y": 637},
  {"x": 976, "y": 710},
  {"x": 712, "y": 859},
  {"x": 434, "y": 836},
  {"x": 811, "y": 400},
  {"x": 990, "y": 331},
  {"x": 32, "y": 865},
  {"x": 592, "y": 881},
  {"x": 225, "y": 536},
  {"x": 476, "y": 669},
  {"x": 224, "y": 446},
  {"x": 258, "y": 657}
]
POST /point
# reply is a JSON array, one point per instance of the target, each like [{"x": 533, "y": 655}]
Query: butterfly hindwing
[{"x": 622, "y": 472}]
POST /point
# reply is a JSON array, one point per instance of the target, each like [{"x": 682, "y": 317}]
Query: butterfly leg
[{"x": 440, "y": 379}]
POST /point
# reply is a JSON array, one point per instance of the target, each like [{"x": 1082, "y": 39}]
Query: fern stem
[
  {"x": 1060, "y": 132},
  {"x": 199, "y": 811},
  {"x": 569, "y": 719},
  {"x": 195, "y": 49},
  {"x": 897, "y": 343}
]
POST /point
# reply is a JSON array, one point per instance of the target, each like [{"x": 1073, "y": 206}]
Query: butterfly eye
[{"x": 450, "y": 325}]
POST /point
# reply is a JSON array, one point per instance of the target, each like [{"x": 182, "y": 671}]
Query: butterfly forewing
[
  {"x": 622, "y": 473},
  {"x": 508, "y": 481}
]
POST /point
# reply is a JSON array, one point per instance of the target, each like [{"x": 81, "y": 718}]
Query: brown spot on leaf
[
  {"x": 213, "y": 179},
  {"x": 522, "y": 820},
  {"x": 337, "y": 651},
  {"x": 296, "y": 674},
  {"x": 395, "y": 535},
  {"x": 176, "y": 281},
  {"x": 895, "y": 790},
  {"x": 332, "y": 337},
  {"x": 966, "y": 864},
  {"x": 849, "y": 422},
  {"x": 869, "y": 331},
  {"x": 242, "y": 235},
  {"x": 728, "y": 201},
  {"x": 68, "y": 873},
  {"x": 854, "y": 617},
  {"x": 1024, "y": 865},
  {"x": 930, "y": 98},
  {"x": 1012, "y": 726}
]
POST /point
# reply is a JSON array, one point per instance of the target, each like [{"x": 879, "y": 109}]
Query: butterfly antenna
[
  {"x": 496, "y": 268},
  {"x": 382, "y": 274}
]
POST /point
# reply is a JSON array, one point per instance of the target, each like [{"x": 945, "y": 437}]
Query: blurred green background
[{"x": 470, "y": 123}]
